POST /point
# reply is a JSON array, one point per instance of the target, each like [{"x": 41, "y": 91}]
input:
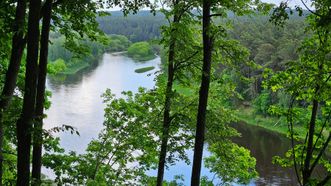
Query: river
[{"x": 77, "y": 101}]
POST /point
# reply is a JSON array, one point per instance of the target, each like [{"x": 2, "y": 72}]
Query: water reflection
[
  {"x": 264, "y": 145},
  {"x": 76, "y": 99},
  {"x": 68, "y": 80}
]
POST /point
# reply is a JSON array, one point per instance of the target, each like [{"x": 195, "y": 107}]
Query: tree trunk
[
  {"x": 24, "y": 124},
  {"x": 1, "y": 147},
  {"x": 203, "y": 95},
  {"x": 41, "y": 89},
  {"x": 306, "y": 173},
  {"x": 167, "y": 106},
  {"x": 13, "y": 69}
]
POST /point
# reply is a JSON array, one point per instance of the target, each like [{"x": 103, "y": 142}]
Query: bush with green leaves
[
  {"x": 262, "y": 103},
  {"x": 141, "y": 51}
]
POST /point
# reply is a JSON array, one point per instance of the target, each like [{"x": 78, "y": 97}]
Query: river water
[{"x": 76, "y": 101}]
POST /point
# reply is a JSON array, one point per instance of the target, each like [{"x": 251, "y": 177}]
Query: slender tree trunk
[
  {"x": 203, "y": 95},
  {"x": 1, "y": 146},
  {"x": 18, "y": 45},
  {"x": 13, "y": 69},
  {"x": 306, "y": 173},
  {"x": 41, "y": 89},
  {"x": 167, "y": 106},
  {"x": 24, "y": 124}
]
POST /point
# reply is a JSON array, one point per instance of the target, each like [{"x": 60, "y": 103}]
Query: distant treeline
[
  {"x": 69, "y": 57},
  {"x": 112, "y": 43},
  {"x": 139, "y": 27},
  {"x": 88, "y": 52},
  {"x": 269, "y": 46}
]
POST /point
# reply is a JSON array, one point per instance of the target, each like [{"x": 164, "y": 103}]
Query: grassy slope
[
  {"x": 279, "y": 125},
  {"x": 73, "y": 69}
]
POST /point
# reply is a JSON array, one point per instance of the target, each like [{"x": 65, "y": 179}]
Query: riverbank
[
  {"x": 143, "y": 58},
  {"x": 118, "y": 53},
  {"x": 75, "y": 68},
  {"x": 278, "y": 125},
  {"x": 141, "y": 51},
  {"x": 78, "y": 66}
]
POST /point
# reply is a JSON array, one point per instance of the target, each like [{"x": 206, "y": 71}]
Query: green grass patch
[
  {"x": 144, "y": 69},
  {"x": 143, "y": 58},
  {"x": 279, "y": 125},
  {"x": 74, "y": 68}
]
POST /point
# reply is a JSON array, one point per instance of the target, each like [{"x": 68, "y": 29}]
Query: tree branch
[
  {"x": 304, "y": 4},
  {"x": 178, "y": 64},
  {"x": 320, "y": 153},
  {"x": 290, "y": 126},
  {"x": 215, "y": 15},
  {"x": 322, "y": 129}
]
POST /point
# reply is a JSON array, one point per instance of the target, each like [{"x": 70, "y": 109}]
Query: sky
[{"x": 292, "y": 3}]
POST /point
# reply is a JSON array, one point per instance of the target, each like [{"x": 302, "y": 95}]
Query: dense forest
[
  {"x": 142, "y": 26},
  {"x": 221, "y": 62}
]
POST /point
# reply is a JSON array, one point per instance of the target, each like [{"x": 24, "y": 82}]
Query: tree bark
[
  {"x": 306, "y": 173},
  {"x": 41, "y": 89},
  {"x": 18, "y": 45},
  {"x": 24, "y": 124},
  {"x": 167, "y": 105},
  {"x": 203, "y": 95}
]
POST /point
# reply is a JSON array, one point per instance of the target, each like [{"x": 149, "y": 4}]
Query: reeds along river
[{"x": 76, "y": 101}]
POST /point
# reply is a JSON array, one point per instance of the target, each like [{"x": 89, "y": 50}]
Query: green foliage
[
  {"x": 76, "y": 20},
  {"x": 204, "y": 181},
  {"x": 83, "y": 56},
  {"x": 240, "y": 169},
  {"x": 141, "y": 51},
  {"x": 56, "y": 50},
  {"x": 262, "y": 103},
  {"x": 145, "y": 69},
  {"x": 56, "y": 67},
  {"x": 72, "y": 19},
  {"x": 9, "y": 176},
  {"x": 306, "y": 80},
  {"x": 11, "y": 115},
  {"x": 129, "y": 143},
  {"x": 127, "y": 146},
  {"x": 142, "y": 26},
  {"x": 177, "y": 181},
  {"x": 60, "y": 48},
  {"x": 118, "y": 43},
  {"x": 187, "y": 75},
  {"x": 270, "y": 48},
  {"x": 230, "y": 162}
]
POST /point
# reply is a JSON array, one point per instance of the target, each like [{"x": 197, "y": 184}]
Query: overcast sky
[
  {"x": 278, "y": 1},
  {"x": 292, "y": 3}
]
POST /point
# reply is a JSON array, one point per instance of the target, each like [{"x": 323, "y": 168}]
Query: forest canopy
[{"x": 221, "y": 63}]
